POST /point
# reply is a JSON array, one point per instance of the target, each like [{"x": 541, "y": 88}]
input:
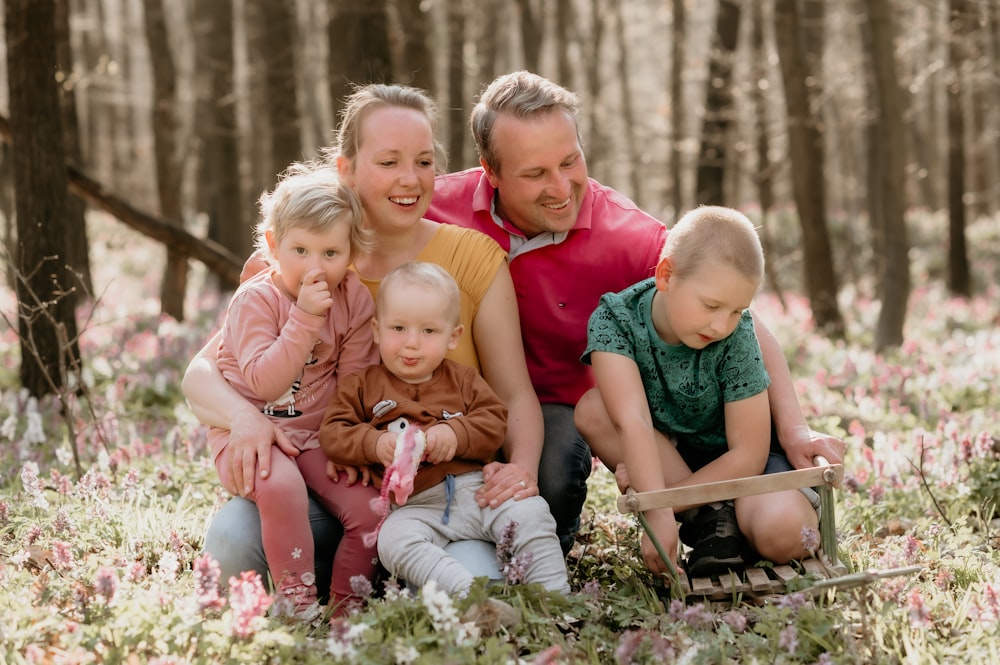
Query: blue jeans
[
  {"x": 563, "y": 471},
  {"x": 233, "y": 539}
]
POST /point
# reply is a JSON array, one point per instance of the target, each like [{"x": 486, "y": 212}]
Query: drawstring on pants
[{"x": 449, "y": 497}]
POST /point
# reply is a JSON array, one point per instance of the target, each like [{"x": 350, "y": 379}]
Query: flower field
[{"x": 101, "y": 523}]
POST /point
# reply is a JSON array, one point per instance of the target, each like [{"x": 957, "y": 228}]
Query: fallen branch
[{"x": 216, "y": 258}]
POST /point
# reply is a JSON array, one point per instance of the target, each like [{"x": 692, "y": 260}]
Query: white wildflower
[
  {"x": 34, "y": 433},
  {"x": 404, "y": 654},
  {"x": 168, "y": 566},
  {"x": 9, "y": 428}
]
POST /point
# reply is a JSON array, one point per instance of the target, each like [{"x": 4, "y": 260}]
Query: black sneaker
[{"x": 715, "y": 540}]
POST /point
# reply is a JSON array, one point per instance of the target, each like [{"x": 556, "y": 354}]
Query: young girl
[
  {"x": 681, "y": 375},
  {"x": 291, "y": 331}
]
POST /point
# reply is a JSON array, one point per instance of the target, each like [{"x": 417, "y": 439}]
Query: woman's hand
[
  {"x": 250, "y": 439},
  {"x": 505, "y": 481}
]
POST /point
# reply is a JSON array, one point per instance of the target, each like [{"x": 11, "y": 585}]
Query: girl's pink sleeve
[{"x": 358, "y": 349}]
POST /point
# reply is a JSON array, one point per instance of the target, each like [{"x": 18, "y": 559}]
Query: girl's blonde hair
[{"x": 311, "y": 196}]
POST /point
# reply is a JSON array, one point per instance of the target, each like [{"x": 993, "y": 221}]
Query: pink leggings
[{"x": 284, "y": 517}]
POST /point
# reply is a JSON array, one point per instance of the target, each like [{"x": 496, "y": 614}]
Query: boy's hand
[
  {"x": 314, "y": 294},
  {"x": 621, "y": 477},
  {"x": 664, "y": 525},
  {"x": 442, "y": 443},
  {"x": 385, "y": 448}
]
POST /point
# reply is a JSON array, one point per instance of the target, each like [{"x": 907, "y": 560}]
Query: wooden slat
[
  {"x": 785, "y": 573},
  {"x": 730, "y": 489},
  {"x": 759, "y": 581},
  {"x": 702, "y": 586}
]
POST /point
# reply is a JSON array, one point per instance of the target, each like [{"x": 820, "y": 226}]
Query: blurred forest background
[{"x": 831, "y": 122}]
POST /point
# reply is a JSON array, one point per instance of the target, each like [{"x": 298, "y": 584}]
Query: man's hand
[
  {"x": 250, "y": 441},
  {"x": 504, "y": 481}
]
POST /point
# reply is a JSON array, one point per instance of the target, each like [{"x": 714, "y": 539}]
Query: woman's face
[{"x": 393, "y": 172}]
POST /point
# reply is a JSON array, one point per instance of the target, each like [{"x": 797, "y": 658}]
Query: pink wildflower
[
  {"x": 248, "y": 600},
  {"x": 106, "y": 583},
  {"x": 513, "y": 567},
  {"x": 206, "y": 577},
  {"x": 361, "y": 586},
  {"x": 911, "y": 548},
  {"x": 810, "y": 539},
  {"x": 920, "y": 615},
  {"x": 62, "y": 555},
  {"x": 698, "y": 617},
  {"x": 736, "y": 620},
  {"x": 788, "y": 639}
]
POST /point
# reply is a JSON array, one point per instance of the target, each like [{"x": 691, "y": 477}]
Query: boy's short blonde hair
[
  {"x": 426, "y": 274},
  {"x": 714, "y": 233},
  {"x": 313, "y": 197}
]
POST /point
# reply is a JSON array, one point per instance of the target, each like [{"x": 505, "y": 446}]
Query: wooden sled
[{"x": 753, "y": 583}]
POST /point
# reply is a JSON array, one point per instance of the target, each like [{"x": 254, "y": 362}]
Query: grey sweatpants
[{"x": 411, "y": 542}]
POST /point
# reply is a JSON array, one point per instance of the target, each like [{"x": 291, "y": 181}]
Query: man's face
[{"x": 543, "y": 172}]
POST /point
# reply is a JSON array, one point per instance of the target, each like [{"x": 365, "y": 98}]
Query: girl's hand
[{"x": 314, "y": 294}]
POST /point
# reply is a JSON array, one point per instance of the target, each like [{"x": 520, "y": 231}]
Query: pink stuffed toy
[{"x": 398, "y": 478}]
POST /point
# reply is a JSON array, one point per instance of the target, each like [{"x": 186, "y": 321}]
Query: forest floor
[{"x": 101, "y": 525}]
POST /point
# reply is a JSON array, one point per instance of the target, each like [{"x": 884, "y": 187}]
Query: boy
[
  {"x": 680, "y": 372},
  {"x": 464, "y": 423}
]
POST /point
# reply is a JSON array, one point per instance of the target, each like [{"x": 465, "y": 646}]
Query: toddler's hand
[
  {"x": 385, "y": 448},
  {"x": 441, "y": 444},
  {"x": 314, "y": 293}
]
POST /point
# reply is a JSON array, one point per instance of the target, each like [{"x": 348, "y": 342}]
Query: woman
[{"x": 387, "y": 151}]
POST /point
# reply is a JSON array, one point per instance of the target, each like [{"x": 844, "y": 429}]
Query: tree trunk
[
  {"x": 417, "y": 66},
  {"x": 281, "y": 34},
  {"x": 594, "y": 143},
  {"x": 225, "y": 212},
  {"x": 565, "y": 40},
  {"x": 457, "y": 99},
  {"x": 77, "y": 246},
  {"x": 633, "y": 154},
  {"x": 46, "y": 322},
  {"x": 959, "y": 278},
  {"x": 532, "y": 30},
  {"x": 165, "y": 153},
  {"x": 807, "y": 155},
  {"x": 677, "y": 105},
  {"x": 359, "y": 48},
  {"x": 719, "y": 109},
  {"x": 765, "y": 170},
  {"x": 895, "y": 277}
]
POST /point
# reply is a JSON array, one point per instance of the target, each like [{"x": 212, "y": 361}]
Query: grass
[{"x": 106, "y": 567}]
